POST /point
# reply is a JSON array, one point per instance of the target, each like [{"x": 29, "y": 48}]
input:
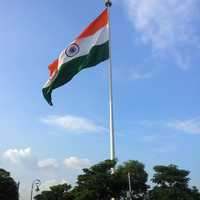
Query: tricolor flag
[{"x": 88, "y": 49}]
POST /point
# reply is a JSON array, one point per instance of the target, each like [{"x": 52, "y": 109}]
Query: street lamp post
[
  {"x": 36, "y": 184},
  {"x": 129, "y": 186},
  {"x": 18, "y": 184}
]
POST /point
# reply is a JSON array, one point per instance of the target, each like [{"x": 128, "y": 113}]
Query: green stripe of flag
[{"x": 68, "y": 70}]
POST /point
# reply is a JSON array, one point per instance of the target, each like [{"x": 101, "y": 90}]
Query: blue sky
[{"x": 156, "y": 82}]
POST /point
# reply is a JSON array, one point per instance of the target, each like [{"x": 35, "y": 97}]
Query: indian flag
[{"x": 87, "y": 50}]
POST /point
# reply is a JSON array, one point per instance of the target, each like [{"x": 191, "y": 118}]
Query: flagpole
[{"x": 108, "y": 4}]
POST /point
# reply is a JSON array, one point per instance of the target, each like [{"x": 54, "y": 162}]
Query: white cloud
[
  {"x": 76, "y": 163},
  {"x": 48, "y": 163},
  {"x": 140, "y": 76},
  {"x": 74, "y": 124},
  {"x": 18, "y": 156},
  {"x": 169, "y": 26},
  {"x": 191, "y": 126},
  {"x": 26, "y": 159}
]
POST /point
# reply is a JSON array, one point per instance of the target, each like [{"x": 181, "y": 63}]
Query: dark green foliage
[
  {"x": 100, "y": 184},
  {"x": 171, "y": 193},
  {"x": 8, "y": 187},
  {"x": 171, "y": 176},
  {"x": 58, "y": 192},
  {"x": 96, "y": 182},
  {"x": 138, "y": 178},
  {"x": 172, "y": 184}
]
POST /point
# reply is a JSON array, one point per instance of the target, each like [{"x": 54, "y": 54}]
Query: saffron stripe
[
  {"x": 97, "y": 24},
  {"x": 86, "y": 44}
]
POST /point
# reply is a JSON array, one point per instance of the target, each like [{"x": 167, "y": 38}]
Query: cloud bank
[
  {"x": 20, "y": 157},
  {"x": 26, "y": 167},
  {"x": 23, "y": 157}
]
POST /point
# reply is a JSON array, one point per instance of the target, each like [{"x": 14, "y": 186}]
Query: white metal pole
[{"x": 111, "y": 120}]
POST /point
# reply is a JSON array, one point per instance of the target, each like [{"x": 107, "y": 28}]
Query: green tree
[
  {"x": 96, "y": 182},
  {"x": 99, "y": 183},
  {"x": 195, "y": 194},
  {"x": 58, "y": 192},
  {"x": 138, "y": 179},
  {"x": 171, "y": 176},
  {"x": 172, "y": 184},
  {"x": 8, "y": 187}
]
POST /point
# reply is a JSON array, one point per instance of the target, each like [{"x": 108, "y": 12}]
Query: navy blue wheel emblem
[{"x": 72, "y": 50}]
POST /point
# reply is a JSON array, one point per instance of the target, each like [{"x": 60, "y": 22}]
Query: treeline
[{"x": 99, "y": 183}]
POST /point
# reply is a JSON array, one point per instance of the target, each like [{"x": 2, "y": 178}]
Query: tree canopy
[
  {"x": 138, "y": 178},
  {"x": 58, "y": 192},
  {"x": 8, "y": 187},
  {"x": 99, "y": 183},
  {"x": 172, "y": 184}
]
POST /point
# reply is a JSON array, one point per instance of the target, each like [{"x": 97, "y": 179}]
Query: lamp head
[
  {"x": 37, "y": 189},
  {"x": 37, "y": 185}
]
